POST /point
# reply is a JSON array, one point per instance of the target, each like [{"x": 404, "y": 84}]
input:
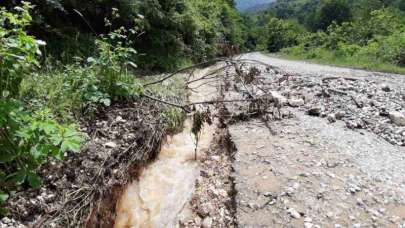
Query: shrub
[
  {"x": 18, "y": 50},
  {"x": 279, "y": 34},
  {"x": 79, "y": 88},
  {"x": 27, "y": 140}
]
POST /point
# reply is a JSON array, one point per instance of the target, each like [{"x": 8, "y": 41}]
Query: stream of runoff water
[{"x": 167, "y": 185}]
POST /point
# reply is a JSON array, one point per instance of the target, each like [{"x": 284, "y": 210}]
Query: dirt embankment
[{"x": 82, "y": 189}]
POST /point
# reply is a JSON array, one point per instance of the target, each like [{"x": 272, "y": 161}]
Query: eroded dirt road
[{"x": 335, "y": 159}]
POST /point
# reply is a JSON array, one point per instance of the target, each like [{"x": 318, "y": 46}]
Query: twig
[
  {"x": 337, "y": 91},
  {"x": 335, "y": 78},
  {"x": 357, "y": 103},
  {"x": 184, "y": 69},
  {"x": 207, "y": 76},
  {"x": 166, "y": 102},
  {"x": 222, "y": 101}
]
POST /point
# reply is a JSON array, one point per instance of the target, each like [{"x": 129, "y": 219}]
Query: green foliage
[
  {"x": 174, "y": 32},
  {"x": 332, "y": 11},
  {"x": 274, "y": 35},
  {"x": 18, "y": 50},
  {"x": 79, "y": 88},
  {"x": 378, "y": 39},
  {"x": 364, "y": 33},
  {"x": 281, "y": 34},
  {"x": 173, "y": 118},
  {"x": 28, "y": 139}
]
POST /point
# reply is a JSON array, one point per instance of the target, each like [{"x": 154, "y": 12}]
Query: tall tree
[{"x": 333, "y": 11}]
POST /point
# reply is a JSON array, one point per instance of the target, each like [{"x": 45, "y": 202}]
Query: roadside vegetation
[
  {"x": 61, "y": 61},
  {"x": 366, "y": 34}
]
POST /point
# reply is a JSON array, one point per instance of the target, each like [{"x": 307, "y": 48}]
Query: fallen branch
[
  {"x": 336, "y": 78},
  {"x": 184, "y": 69},
  {"x": 166, "y": 102}
]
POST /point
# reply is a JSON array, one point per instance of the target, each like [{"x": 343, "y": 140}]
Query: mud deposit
[{"x": 165, "y": 186}]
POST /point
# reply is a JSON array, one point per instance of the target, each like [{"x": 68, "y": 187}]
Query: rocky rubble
[
  {"x": 212, "y": 202},
  {"x": 360, "y": 102},
  {"x": 10, "y": 223},
  {"x": 337, "y": 163}
]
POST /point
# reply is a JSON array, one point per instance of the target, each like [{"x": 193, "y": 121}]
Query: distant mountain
[{"x": 252, "y": 5}]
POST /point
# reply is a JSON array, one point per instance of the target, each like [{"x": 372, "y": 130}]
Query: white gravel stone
[
  {"x": 110, "y": 145},
  {"x": 397, "y": 118},
  {"x": 207, "y": 222},
  {"x": 294, "y": 213},
  {"x": 296, "y": 102}
]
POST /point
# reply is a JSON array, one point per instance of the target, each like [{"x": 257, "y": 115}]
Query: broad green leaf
[
  {"x": 71, "y": 144},
  {"x": 6, "y": 157},
  {"x": 106, "y": 101},
  {"x": 36, "y": 152},
  {"x": 49, "y": 127},
  {"x": 18, "y": 177},
  {"x": 3, "y": 197},
  {"x": 34, "y": 180},
  {"x": 56, "y": 139}
]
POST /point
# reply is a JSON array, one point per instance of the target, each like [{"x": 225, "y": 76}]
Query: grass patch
[
  {"x": 322, "y": 56},
  {"x": 172, "y": 90}
]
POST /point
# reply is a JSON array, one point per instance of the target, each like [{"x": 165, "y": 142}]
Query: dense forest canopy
[
  {"x": 252, "y": 5},
  {"x": 169, "y": 32}
]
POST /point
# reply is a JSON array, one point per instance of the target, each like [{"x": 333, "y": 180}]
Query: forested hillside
[
  {"x": 362, "y": 33},
  {"x": 252, "y": 5}
]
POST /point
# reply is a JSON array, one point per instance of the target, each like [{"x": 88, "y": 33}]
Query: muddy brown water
[{"x": 166, "y": 185}]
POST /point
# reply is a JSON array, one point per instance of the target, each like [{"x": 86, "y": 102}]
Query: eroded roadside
[
  {"x": 335, "y": 159},
  {"x": 286, "y": 145},
  {"x": 326, "y": 151}
]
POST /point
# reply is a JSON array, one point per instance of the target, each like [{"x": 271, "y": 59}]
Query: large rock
[
  {"x": 397, "y": 118},
  {"x": 385, "y": 88},
  {"x": 296, "y": 102},
  {"x": 294, "y": 213},
  {"x": 314, "y": 111},
  {"x": 278, "y": 98},
  {"x": 207, "y": 222}
]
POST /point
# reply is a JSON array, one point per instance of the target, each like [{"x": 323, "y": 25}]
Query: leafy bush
[
  {"x": 275, "y": 35},
  {"x": 173, "y": 118},
  {"x": 332, "y": 11},
  {"x": 18, "y": 50},
  {"x": 79, "y": 88},
  {"x": 375, "y": 40},
  {"x": 70, "y": 92},
  {"x": 281, "y": 34},
  {"x": 28, "y": 139}
]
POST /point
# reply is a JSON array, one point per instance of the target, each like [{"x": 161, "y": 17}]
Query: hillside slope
[{"x": 251, "y": 5}]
